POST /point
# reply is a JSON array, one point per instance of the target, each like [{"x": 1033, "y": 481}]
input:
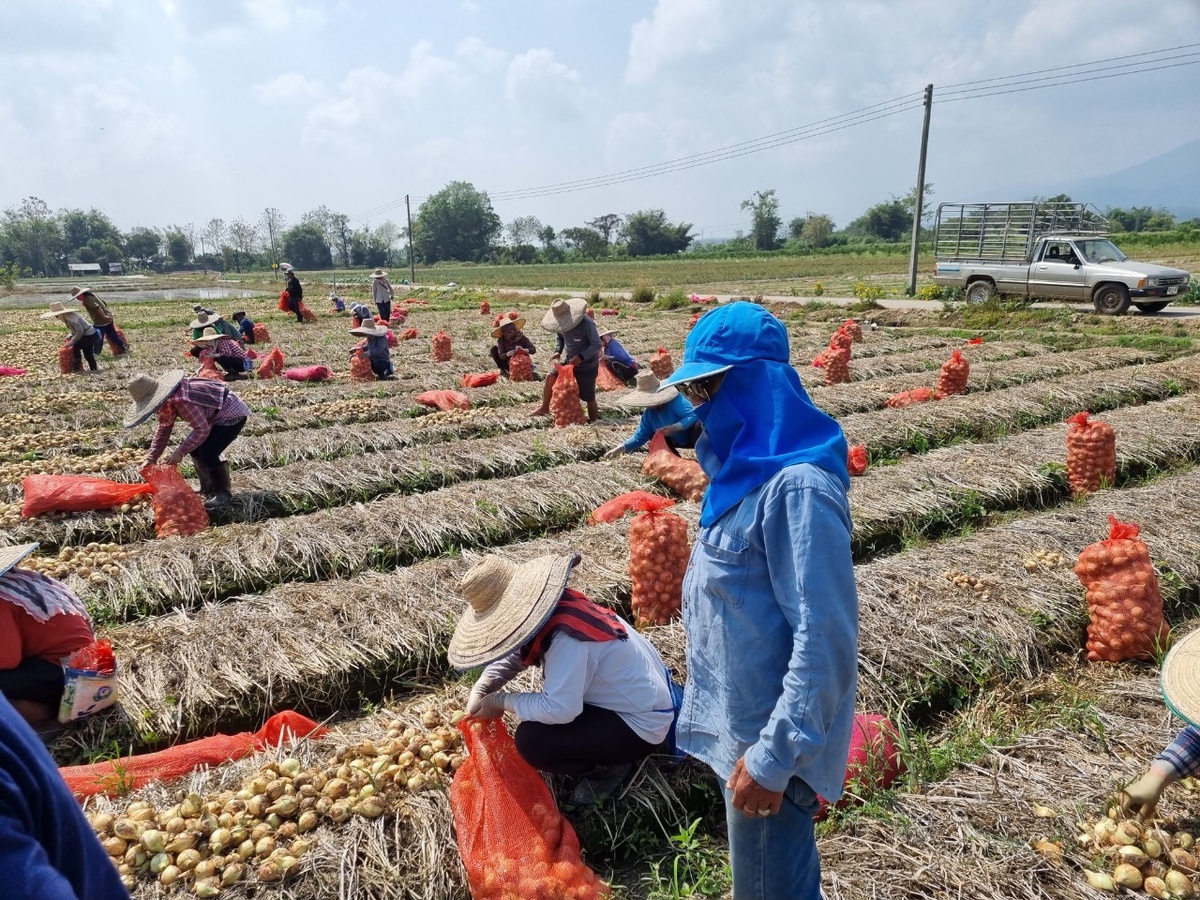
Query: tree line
[{"x": 456, "y": 224}]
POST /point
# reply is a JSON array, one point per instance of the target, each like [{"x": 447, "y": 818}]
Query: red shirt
[{"x": 22, "y": 636}]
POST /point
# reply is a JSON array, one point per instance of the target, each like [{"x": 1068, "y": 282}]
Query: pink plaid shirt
[
  {"x": 202, "y": 403},
  {"x": 228, "y": 347}
]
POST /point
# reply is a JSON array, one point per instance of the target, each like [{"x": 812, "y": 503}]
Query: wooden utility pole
[
  {"x": 920, "y": 198},
  {"x": 412, "y": 266}
]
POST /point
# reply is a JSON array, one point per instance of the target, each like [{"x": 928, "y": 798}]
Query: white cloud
[
  {"x": 476, "y": 54},
  {"x": 677, "y": 29},
  {"x": 228, "y": 20},
  {"x": 289, "y": 88},
  {"x": 538, "y": 83}
]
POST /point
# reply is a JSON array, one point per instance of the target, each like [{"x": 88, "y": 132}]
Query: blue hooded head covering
[{"x": 761, "y": 420}]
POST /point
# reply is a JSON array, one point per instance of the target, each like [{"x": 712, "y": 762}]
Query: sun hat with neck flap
[
  {"x": 507, "y": 603},
  {"x": 149, "y": 393},
  {"x": 563, "y": 315}
]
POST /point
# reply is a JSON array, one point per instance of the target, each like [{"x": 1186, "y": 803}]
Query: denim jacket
[{"x": 771, "y": 613}]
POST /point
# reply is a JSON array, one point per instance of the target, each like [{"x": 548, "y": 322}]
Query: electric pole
[
  {"x": 920, "y": 198},
  {"x": 412, "y": 266}
]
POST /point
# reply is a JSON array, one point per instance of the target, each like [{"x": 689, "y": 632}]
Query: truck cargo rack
[{"x": 1006, "y": 231}]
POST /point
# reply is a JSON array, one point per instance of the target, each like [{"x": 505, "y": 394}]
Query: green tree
[
  {"x": 796, "y": 228},
  {"x": 305, "y": 247},
  {"x": 607, "y": 224},
  {"x": 764, "y": 219},
  {"x": 243, "y": 240},
  {"x": 143, "y": 246},
  {"x": 818, "y": 230},
  {"x": 889, "y": 221},
  {"x": 367, "y": 249},
  {"x": 457, "y": 223},
  {"x": 522, "y": 230},
  {"x": 339, "y": 237},
  {"x": 91, "y": 228},
  {"x": 648, "y": 233},
  {"x": 30, "y": 238},
  {"x": 179, "y": 246},
  {"x": 587, "y": 242}
]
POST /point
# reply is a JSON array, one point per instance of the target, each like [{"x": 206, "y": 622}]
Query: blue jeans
[
  {"x": 776, "y": 856},
  {"x": 110, "y": 331}
]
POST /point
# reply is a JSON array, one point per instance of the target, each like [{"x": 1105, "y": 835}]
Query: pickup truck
[{"x": 1023, "y": 249}]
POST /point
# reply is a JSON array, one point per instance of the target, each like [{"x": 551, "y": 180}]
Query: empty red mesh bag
[
  {"x": 480, "y": 379},
  {"x": 952, "y": 379},
  {"x": 564, "y": 399},
  {"x": 119, "y": 776},
  {"x": 610, "y": 312},
  {"x": 1091, "y": 454},
  {"x": 856, "y": 460},
  {"x": 841, "y": 340},
  {"x": 284, "y": 297},
  {"x": 520, "y": 366},
  {"x": 607, "y": 380},
  {"x": 272, "y": 364},
  {"x": 513, "y": 841},
  {"x": 308, "y": 373},
  {"x": 408, "y": 334},
  {"x": 178, "y": 510},
  {"x": 485, "y": 308},
  {"x": 854, "y": 329},
  {"x": 261, "y": 335},
  {"x": 661, "y": 363},
  {"x": 208, "y": 368},
  {"x": 617, "y": 507},
  {"x": 75, "y": 493},
  {"x": 658, "y": 557},
  {"x": 874, "y": 761},
  {"x": 66, "y": 359},
  {"x": 683, "y": 476},
  {"x": 1124, "y": 602},
  {"x": 444, "y": 400},
  {"x": 908, "y": 398},
  {"x": 441, "y": 347}
]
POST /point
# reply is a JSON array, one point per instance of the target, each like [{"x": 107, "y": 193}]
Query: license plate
[{"x": 1174, "y": 289}]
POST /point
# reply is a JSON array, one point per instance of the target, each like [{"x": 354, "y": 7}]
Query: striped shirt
[
  {"x": 225, "y": 347},
  {"x": 1183, "y": 755},
  {"x": 202, "y": 403}
]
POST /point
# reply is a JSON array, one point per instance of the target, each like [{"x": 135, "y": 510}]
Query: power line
[{"x": 960, "y": 84}]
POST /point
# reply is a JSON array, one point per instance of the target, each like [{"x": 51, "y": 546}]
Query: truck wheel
[
  {"x": 1156, "y": 306},
  {"x": 1111, "y": 299},
  {"x": 980, "y": 291}
]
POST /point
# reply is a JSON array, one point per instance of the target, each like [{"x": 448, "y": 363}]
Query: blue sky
[{"x": 174, "y": 111}]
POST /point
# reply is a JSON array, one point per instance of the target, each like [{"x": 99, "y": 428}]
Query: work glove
[
  {"x": 1141, "y": 796},
  {"x": 490, "y": 707},
  {"x": 615, "y": 452},
  {"x": 487, "y": 684}
]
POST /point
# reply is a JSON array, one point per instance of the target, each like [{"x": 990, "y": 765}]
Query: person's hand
[
  {"x": 1141, "y": 797},
  {"x": 615, "y": 452},
  {"x": 510, "y": 354},
  {"x": 671, "y": 429},
  {"x": 481, "y": 689},
  {"x": 174, "y": 459},
  {"x": 489, "y": 707},
  {"x": 577, "y": 360},
  {"x": 750, "y": 797}
]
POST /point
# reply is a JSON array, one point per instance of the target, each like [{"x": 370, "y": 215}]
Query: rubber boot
[
  {"x": 222, "y": 493},
  {"x": 204, "y": 476}
]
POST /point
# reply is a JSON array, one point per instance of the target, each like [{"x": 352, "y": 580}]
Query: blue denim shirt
[
  {"x": 656, "y": 417},
  {"x": 771, "y": 614}
]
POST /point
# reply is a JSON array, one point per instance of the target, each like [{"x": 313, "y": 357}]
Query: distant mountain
[{"x": 1170, "y": 180}]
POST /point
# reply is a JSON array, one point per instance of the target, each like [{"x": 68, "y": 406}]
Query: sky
[{"x": 165, "y": 112}]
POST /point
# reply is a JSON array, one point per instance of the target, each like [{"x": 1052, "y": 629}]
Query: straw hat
[
  {"x": 519, "y": 322},
  {"x": 370, "y": 329},
  {"x": 149, "y": 394},
  {"x": 10, "y": 556},
  {"x": 76, "y": 292},
  {"x": 1181, "y": 678},
  {"x": 56, "y": 309},
  {"x": 506, "y": 605},
  {"x": 209, "y": 334},
  {"x": 379, "y": 273},
  {"x": 564, "y": 315},
  {"x": 644, "y": 394},
  {"x": 204, "y": 319},
  {"x": 607, "y": 331}
]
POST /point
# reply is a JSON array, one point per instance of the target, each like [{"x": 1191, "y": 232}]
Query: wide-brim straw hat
[
  {"x": 370, "y": 330},
  {"x": 10, "y": 556},
  {"x": 56, "y": 310},
  {"x": 209, "y": 334},
  {"x": 507, "y": 603},
  {"x": 379, "y": 273},
  {"x": 518, "y": 322},
  {"x": 606, "y": 332},
  {"x": 647, "y": 394},
  {"x": 204, "y": 320},
  {"x": 1181, "y": 678},
  {"x": 149, "y": 394},
  {"x": 563, "y": 315},
  {"x": 77, "y": 292}
]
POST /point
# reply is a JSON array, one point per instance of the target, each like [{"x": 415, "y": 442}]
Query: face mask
[{"x": 707, "y": 457}]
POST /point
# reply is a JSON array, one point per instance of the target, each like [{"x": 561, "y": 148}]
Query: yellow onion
[
  {"x": 169, "y": 875},
  {"x": 1155, "y": 887},
  {"x": 1127, "y": 875},
  {"x": 1100, "y": 881},
  {"x": 1178, "y": 884}
]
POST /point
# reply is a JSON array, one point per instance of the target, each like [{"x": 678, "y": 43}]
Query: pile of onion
[
  {"x": 661, "y": 363},
  {"x": 953, "y": 377},
  {"x": 854, "y": 329},
  {"x": 520, "y": 366},
  {"x": 683, "y": 476},
  {"x": 1091, "y": 454},
  {"x": 485, "y": 308},
  {"x": 658, "y": 558},
  {"x": 565, "y": 405},
  {"x": 1145, "y": 856},
  {"x": 441, "y": 347},
  {"x": 360, "y": 367}
]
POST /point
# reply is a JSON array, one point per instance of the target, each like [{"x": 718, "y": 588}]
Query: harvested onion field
[{"x": 328, "y": 587}]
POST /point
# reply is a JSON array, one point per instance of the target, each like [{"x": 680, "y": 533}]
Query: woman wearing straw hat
[
  {"x": 382, "y": 293},
  {"x": 622, "y": 363},
  {"x": 102, "y": 318},
  {"x": 40, "y": 623},
  {"x": 215, "y": 413},
  {"x": 377, "y": 349},
  {"x": 84, "y": 339},
  {"x": 510, "y": 338},
  {"x": 664, "y": 410},
  {"x": 207, "y": 318},
  {"x": 226, "y": 353},
  {"x": 606, "y": 700},
  {"x": 577, "y": 343}
]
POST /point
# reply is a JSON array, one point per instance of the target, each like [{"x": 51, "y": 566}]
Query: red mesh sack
[
  {"x": 208, "y": 368},
  {"x": 305, "y": 313},
  {"x": 66, "y": 359},
  {"x": 683, "y": 476},
  {"x": 908, "y": 398},
  {"x": 119, "y": 776},
  {"x": 835, "y": 363},
  {"x": 856, "y": 460},
  {"x": 607, "y": 380},
  {"x": 441, "y": 347},
  {"x": 284, "y": 297},
  {"x": 658, "y": 557},
  {"x": 1123, "y": 598},
  {"x": 261, "y": 335},
  {"x": 444, "y": 400},
  {"x": 480, "y": 379},
  {"x": 272, "y": 364},
  {"x": 513, "y": 841},
  {"x": 360, "y": 367},
  {"x": 661, "y": 363},
  {"x": 392, "y": 340},
  {"x": 308, "y": 373},
  {"x": 6, "y": 371},
  {"x": 75, "y": 493},
  {"x": 694, "y": 319},
  {"x": 408, "y": 334},
  {"x": 1091, "y": 454},
  {"x": 590, "y": 313},
  {"x": 113, "y": 345},
  {"x": 616, "y": 508},
  {"x": 485, "y": 308},
  {"x": 953, "y": 377},
  {"x": 841, "y": 340},
  {"x": 873, "y": 764},
  {"x": 398, "y": 317},
  {"x": 565, "y": 404},
  {"x": 610, "y": 312},
  {"x": 520, "y": 366},
  {"x": 854, "y": 329},
  {"x": 178, "y": 510}
]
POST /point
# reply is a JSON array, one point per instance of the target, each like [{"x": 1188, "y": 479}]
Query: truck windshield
[{"x": 1100, "y": 251}]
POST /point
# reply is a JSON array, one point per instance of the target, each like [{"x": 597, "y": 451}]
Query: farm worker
[
  {"x": 215, "y": 413},
  {"x": 337, "y": 304},
  {"x": 606, "y": 700},
  {"x": 48, "y": 851},
  {"x": 82, "y": 337},
  {"x": 226, "y": 353},
  {"x": 295, "y": 294},
  {"x": 101, "y": 316},
  {"x": 362, "y": 313},
  {"x": 382, "y": 293},
  {"x": 509, "y": 338},
  {"x": 662, "y": 411},
  {"x": 40, "y": 623},
  {"x": 206, "y": 318},
  {"x": 623, "y": 365},
  {"x": 771, "y": 570},
  {"x": 377, "y": 349},
  {"x": 245, "y": 325},
  {"x": 577, "y": 343}
]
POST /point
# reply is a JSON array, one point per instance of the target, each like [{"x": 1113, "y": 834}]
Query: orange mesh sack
[
  {"x": 615, "y": 509},
  {"x": 513, "y": 841},
  {"x": 1091, "y": 454},
  {"x": 856, "y": 460},
  {"x": 520, "y": 366},
  {"x": 208, "y": 368},
  {"x": 284, "y": 297},
  {"x": 305, "y": 313},
  {"x": 607, "y": 380},
  {"x": 75, "y": 493},
  {"x": 953, "y": 377},
  {"x": 444, "y": 400},
  {"x": 113, "y": 345},
  {"x": 441, "y": 347},
  {"x": 261, "y": 335},
  {"x": 66, "y": 359},
  {"x": 485, "y": 308},
  {"x": 854, "y": 329},
  {"x": 178, "y": 510},
  {"x": 272, "y": 364},
  {"x": 408, "y": 334},
  {"x": 480, "y": 379},
  {"x": 683, "y": 476},
  {"x": 908, "y": 398},
  {"x": 836, "y": 363},
  {"x": 841, "y": 340},
  {"x": 564, "y": 399},
  {"x": 658, "y": 557},
  {"x": 661, "y": 363},
  {"x": 1124, "y": 602},
  {"x": 360, "y": 367}
]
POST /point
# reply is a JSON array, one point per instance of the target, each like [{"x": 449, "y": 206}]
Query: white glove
[{"x": 615, "y": 452}]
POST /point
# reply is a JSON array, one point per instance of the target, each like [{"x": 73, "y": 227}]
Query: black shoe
[{"x": 600, "y": 784}]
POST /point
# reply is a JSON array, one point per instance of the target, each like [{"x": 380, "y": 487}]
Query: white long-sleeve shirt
[{"x": 627, "y": 677}]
